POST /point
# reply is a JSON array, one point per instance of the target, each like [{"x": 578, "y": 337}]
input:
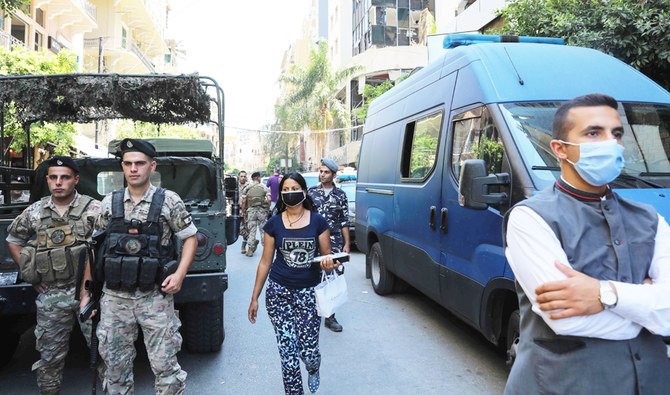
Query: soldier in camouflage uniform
[
  {"x": 63, "y": 223},
  {"x": 331, "y": 202},
  {"x": 123, "y": 309},
  {"x": 242, "y": 183},
  {"x": 255, "y": 204}
]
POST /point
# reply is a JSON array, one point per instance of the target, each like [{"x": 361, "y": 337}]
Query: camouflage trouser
[
  {"x": 256, "y": 219},
  {"x": 117, "y": 332},
  {"x": 336, "y": 242},
  {"x": 243, "y": 229},
  {"x": 56, "y": 313}
]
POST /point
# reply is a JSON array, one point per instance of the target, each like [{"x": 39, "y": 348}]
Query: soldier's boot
[
  {"x": 244, "y": 247},
  {"x": 332, "y": 324},
  {"x": 252, "y": 247}
]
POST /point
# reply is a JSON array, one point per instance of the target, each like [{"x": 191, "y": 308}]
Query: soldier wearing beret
[
  {"x": 140, "y": 222},
  {"x": 331, "y": 202},
  {"x": 63, "y": 223}
]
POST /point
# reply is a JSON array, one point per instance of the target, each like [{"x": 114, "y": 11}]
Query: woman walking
[{"x": 297, "y": 235}]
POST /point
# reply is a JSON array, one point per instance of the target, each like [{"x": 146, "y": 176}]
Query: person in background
[
  {"x": 273, "y": 184},
  {"x": 592, "y": 269},
  {"x": 293, "y": 238},
  {"x": 241, "y": 183},
  {"x": 64, "y": 224},
  {"x": 331, "y": 202},
  {"x": 255, "y": 205}
]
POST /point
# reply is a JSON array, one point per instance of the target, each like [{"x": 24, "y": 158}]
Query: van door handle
[
  {"x": 443, "y": 219},
  {"x": 431, "y": 221}
]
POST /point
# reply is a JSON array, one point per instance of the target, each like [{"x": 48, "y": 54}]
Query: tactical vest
[
  {"x": 133, "y": 254},
  {"x": 256, "y": 196},
  {"x": 60, "y": 241}
]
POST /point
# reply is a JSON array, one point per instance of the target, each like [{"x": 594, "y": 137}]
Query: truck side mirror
[
  {"x": 230, "y": 186},
  {"x": 474, "y": 183}
]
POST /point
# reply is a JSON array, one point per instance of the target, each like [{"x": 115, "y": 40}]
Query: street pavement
[{"x": 396, "y": 344}]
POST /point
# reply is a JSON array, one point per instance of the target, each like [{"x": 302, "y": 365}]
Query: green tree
[
  {"x": 20, "y": 60},
  {"x": 12, "y": 5},
  {"x": 634, "y": 31},
  {"x": 311, "y": 102},
  {"x": 141, "y": 130},
  {"x": 371, "y": 92}
]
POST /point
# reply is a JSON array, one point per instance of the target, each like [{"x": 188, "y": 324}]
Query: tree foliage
[
  {"x": 141, "y": 130},
  {"x": 634, "y": 31},
  {"x": 20, "y": 60},
  {"x": 371, "y": 92},
  {"x": 311, "y": 102},
  {"x": 12, "y": 5}
]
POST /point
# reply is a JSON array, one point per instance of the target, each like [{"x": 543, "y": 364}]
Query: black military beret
[
  {"x": 138, "y": 145},
  {"x": 63, "y": 161}
]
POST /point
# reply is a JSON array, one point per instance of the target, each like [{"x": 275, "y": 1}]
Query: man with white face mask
[{"x": 592, "y": 270}]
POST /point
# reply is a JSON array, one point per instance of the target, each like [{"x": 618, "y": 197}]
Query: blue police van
[{"x": 447, "y": 152}]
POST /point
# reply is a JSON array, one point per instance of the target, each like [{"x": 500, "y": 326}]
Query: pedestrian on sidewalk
[
  {"x": 292, "y": 239},
  {"x": 273, "y": 184}
]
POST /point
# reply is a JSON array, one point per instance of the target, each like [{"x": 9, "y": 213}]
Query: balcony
[
  {"x": 147, "y": 19},
  {"x": 81, "y": 15},
  {"x": 7, "y": 41},
  {"x": 122, "y": 55}
]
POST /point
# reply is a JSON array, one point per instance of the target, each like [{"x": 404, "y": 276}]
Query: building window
[
  {"x": 39, "y": 16},
  {"x": 124, "y": 37},
  {"x": 39, "y": 41},
  {"x": 419, "y": 153},
  {"x": 19, "y": 29}
]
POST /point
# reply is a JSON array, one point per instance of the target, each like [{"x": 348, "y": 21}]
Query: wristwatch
[{"x": 608, "y": 297}]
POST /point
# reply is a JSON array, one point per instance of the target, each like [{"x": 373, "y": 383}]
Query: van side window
[
  {"x": 419, "y": 152},
  {"x": 476, "y": 137}
]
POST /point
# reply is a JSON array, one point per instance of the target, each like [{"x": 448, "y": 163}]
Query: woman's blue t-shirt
[{"x": 294, "y": 250}]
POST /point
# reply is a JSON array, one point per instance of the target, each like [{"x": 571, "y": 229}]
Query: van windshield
[{"x": 646, "y": 138}]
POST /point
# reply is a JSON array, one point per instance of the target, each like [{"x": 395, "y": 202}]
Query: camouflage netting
[{"x": 84, "y": 98}]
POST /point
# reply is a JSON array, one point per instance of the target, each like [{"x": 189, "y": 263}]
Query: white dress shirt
[{"x": 532, "y": 249}]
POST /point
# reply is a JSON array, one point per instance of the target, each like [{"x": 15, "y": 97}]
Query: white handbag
[{"x": 330, "y": 294}]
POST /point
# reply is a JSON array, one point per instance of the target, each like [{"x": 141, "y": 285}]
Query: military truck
[{"x": 192, "y": 168}]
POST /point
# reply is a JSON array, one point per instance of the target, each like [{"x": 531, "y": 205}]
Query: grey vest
[{"x": 608, "y": 239}]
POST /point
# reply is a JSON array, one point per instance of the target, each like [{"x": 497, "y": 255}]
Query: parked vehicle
[
  {"x": 311, "y": 178},
  {"x": 192, "y": 168},
  {"x": 447, "y": 152}
]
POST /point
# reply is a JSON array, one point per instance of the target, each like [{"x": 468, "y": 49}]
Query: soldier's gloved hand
[
  {"x": 172, "y": 283},
  {"x": 41, "y": 287}
]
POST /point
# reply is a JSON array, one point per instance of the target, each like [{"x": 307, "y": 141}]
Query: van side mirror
[{"x": 474, "y": 183}]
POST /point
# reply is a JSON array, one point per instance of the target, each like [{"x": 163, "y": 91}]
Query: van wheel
[
  {"x": 512, "y": 337},
  {"x": 203, "y": 326},
  {"x": 382, "y": 280}
]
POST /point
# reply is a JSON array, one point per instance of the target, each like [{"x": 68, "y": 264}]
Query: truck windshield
[{"x": 646, "y": 138}]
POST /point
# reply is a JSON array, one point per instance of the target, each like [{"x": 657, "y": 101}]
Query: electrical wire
[{"x": 294, "y": 131}]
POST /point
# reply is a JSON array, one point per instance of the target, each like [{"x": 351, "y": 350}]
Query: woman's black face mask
[{"x": 293, "y": 198}]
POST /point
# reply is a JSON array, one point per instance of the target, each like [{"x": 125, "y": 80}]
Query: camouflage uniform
[
  {"x": 243, "y": 223},
  {"x": 122, "y": 311},
  {"x": 57, "y": 308},
  {"x": 257, "y": 214},
  {"x": 334, "y": 207}
]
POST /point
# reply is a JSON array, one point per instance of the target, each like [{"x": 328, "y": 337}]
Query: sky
[{"x": 240, "y": 44}]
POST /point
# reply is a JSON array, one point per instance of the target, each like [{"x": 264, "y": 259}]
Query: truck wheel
[
  {"x": 203, "y": 326},
  {"x": 512, "y": 337},
  {"x": 382, "y": 280}
]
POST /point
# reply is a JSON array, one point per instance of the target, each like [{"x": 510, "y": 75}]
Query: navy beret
[
  {"x": 329, "y": 163},
  {"x": 136, "y": 145},
  {"x": 56, "y": 161}
]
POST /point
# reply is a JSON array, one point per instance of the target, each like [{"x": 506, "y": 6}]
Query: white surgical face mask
[{"x": 599, "y": 162}]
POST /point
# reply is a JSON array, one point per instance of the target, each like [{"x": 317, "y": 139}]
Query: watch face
[{"x": 608, "y": 297}]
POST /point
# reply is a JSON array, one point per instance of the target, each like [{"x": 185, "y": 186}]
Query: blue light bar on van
[{"x": 455, "y": 40}]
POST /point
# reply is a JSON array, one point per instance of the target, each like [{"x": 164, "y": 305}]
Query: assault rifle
[{"x": 93, "y": 253}]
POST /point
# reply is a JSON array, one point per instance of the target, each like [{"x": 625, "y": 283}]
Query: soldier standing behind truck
[
  {"x": 141, "y": 222},
  {"x": 63, "y": 223},
  {"x": 242, "y": 183},
  {"x": 255, "y": 205}
]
